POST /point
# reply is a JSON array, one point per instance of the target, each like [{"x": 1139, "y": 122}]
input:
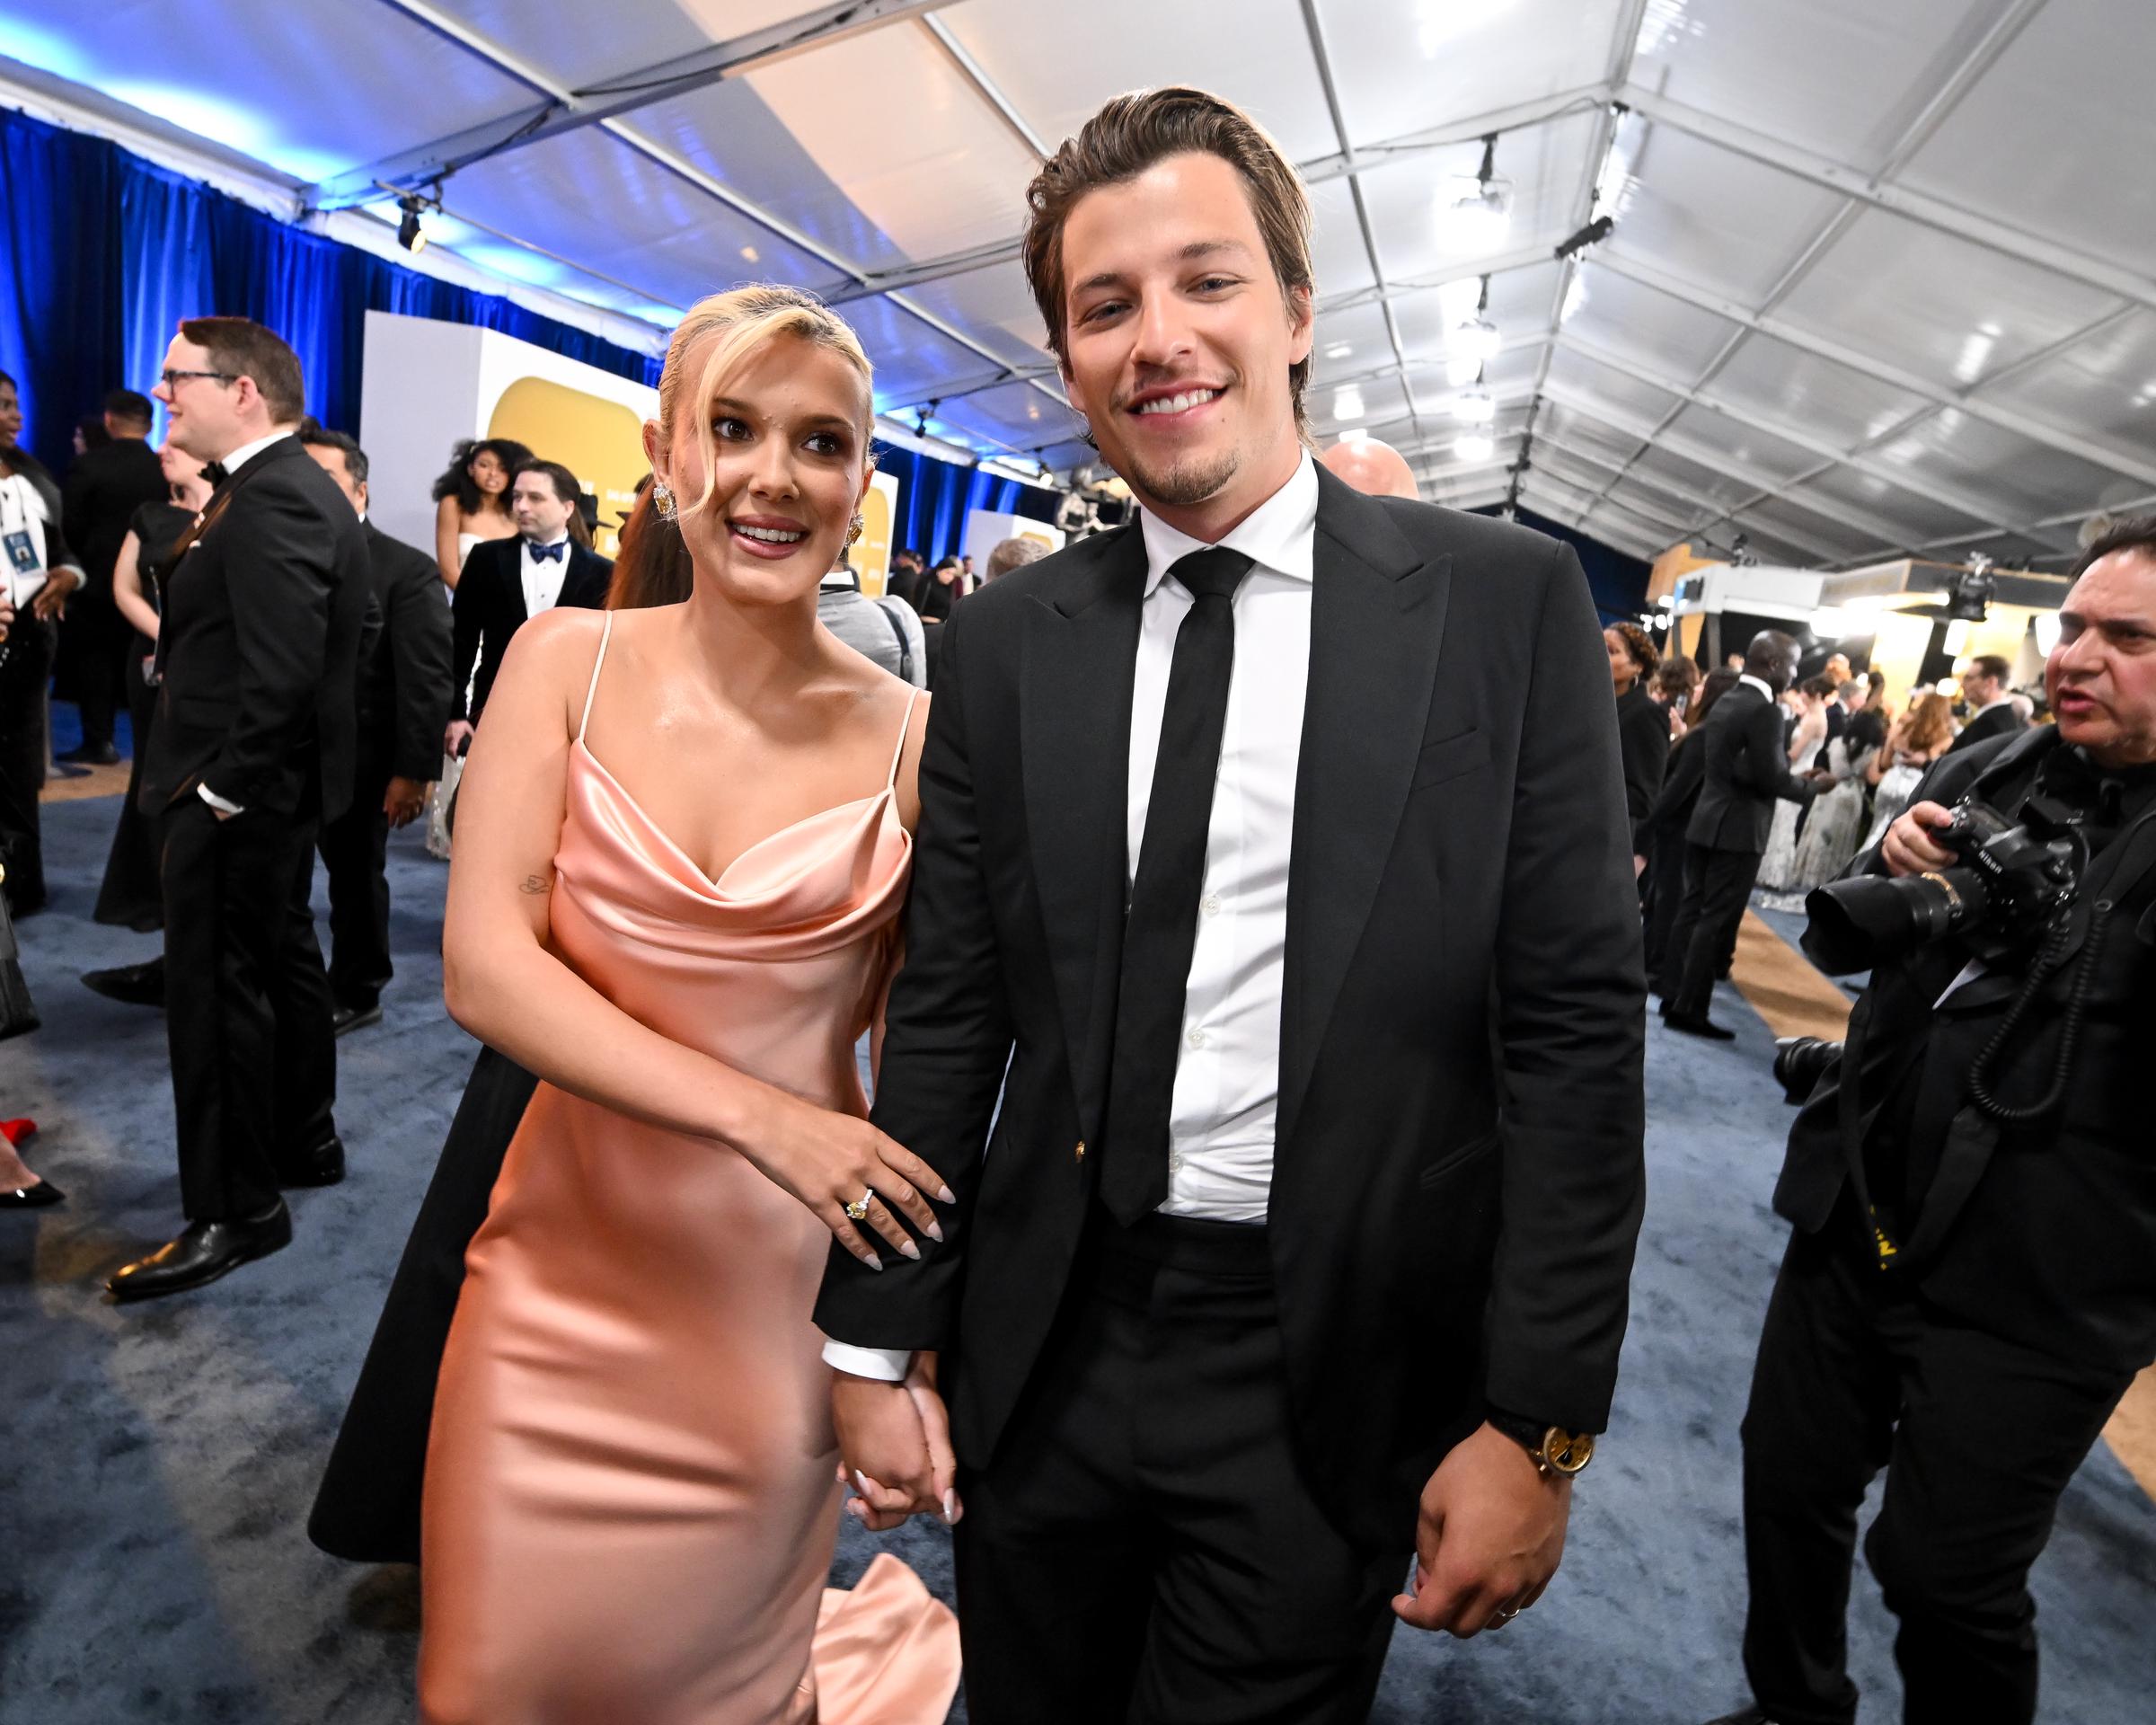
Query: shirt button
[
  {"x": 1196, "y": 1039},
  {"x": 1210, "y": 905},
  {"x": 1175, "y": 1163}
]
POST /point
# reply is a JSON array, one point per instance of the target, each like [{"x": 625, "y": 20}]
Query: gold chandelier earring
[
  {"x": 662, "y": 500},
  {"x": 855, "y": 529}
]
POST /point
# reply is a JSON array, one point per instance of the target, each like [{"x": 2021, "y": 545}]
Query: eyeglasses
[{"x": 170, "y": 379}]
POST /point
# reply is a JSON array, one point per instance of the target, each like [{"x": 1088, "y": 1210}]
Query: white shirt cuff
[
  {"x": 891, "y": 1365},
  {"x": 216, "y": 802}
]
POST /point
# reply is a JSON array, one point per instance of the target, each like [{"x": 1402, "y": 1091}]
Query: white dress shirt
[
  {"x": 542, "y": 581},
  {"x": 1760, "y": 684},
  {"x": 233, "y": 462},
  {"x": 1227, "y": 1073}
]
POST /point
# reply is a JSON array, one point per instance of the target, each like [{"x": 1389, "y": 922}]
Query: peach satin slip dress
[{"x": 630, "y": 1507}]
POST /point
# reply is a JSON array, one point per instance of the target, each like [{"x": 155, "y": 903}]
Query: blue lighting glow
[
  {"x": 227, "y": 123},
  {"x": 42, "y": 50},
  {"x": 514, "y": 263}
]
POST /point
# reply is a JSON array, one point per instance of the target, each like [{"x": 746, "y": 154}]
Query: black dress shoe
[
  {"x": 92, "y": 754},
  {"x": 43, "y": 1196},
  {"x": 205, "y": 1251},
  {"x": 136, "y": 984},
  {"x": 354, "y": 1018},
  {"x": 323, "y": 1165},
  {"x": 1698, "y": 1025}
]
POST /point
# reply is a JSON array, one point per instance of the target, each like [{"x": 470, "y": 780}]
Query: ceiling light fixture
[
  {"x": 1594, "y": 232},
  {"x": 1474, "y": 446},
  {"x": 411, "y": 235},
  {"x": 1474, "y": 337},
  {"x": 1478, "y": 211}
]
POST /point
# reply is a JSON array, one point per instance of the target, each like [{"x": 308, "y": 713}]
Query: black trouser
[
  {"x": 247, "y": 1006},
  {"x": 1978, "y": 1437},
  {"x": 99, "y": 656},
  {"x": 355, "y": 855},
  {"x": 1143, "y": 1547},
  {"x": 1665, "y": 896},
  {"x": 1717, "y": 885},
  {"x": 25, "y": 669}
]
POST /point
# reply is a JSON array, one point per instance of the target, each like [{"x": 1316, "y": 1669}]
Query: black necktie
[{"x": 1161, "y": 928}]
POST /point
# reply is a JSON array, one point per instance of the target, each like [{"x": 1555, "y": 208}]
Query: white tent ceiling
[{"x": 1882, "y": 278}]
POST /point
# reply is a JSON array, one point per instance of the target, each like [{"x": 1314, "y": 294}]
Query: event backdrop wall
[{"x": 101, "y": 253}]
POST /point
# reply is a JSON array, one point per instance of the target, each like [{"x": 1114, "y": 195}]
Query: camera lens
[{"x": 1855, "y": 925}]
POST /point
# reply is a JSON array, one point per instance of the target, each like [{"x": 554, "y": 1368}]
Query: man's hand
[
  {"x": 456, "y": 737},
  {"x": 50, "y": 600},
  {"x": 403, "y": 800},
  {"x": 1491, "y": 1533},
  {"x": 894, "y": 1447},
  {"x": 7, "y": 614},
  {"x": 1908, "y": 847}
]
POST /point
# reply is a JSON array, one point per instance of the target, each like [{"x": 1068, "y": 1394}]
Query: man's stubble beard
[{"x": 1187, "y": 483}]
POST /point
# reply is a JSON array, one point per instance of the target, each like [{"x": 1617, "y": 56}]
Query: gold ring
[{"x": 857, "y": 1210}]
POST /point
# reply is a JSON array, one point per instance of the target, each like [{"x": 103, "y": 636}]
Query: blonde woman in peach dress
[{"x": 682, "y": 847}]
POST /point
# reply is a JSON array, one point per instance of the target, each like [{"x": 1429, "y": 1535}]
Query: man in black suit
[
  {"x": 252, "y": 749},
  {"x": 1991, "y": 710},
  {"x": 1970, "y": 1284},
  {"x": 1744, "y": 769},
  {"x": 1317, "y": 1173},
  {"x": 403, "y": 706},
  {"x": 102, "y": 491},
  {"x": 507, "y": 582}
]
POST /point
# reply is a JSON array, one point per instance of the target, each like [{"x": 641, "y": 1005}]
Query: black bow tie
[
  {"x": 556, "y": 553},
  {"x": 214, "y": 471}
]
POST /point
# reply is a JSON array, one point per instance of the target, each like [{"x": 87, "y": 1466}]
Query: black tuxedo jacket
[
  {"x": 404, "y": 675},
  {"x": 2044, "y": 1233},
  {"x": 2000, "y": 721},
  {"x": 1457, "y": 1177},
  {"x": 1745, "y": 767},
  {"x": 489, "y": 608},
  {"x": 103, "y": 490},
  {"x": 260, "y": 645}
]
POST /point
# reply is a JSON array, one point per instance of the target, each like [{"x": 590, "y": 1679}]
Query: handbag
[
  {"x": 441, "y": 807},
  {"x": 18, "y": 1013}
]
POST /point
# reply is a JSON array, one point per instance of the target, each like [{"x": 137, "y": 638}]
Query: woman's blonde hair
[{"x": 744, "y": 319}]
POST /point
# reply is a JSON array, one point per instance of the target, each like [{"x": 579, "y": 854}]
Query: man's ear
[
  {"x": 1302, "y": 323},
  {"x": 361, "y": 488}
]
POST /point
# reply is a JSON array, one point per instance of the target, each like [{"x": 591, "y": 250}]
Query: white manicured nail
[
  {"x": 909, "y": 1249},
  {"x": 946, "y": 1195}
]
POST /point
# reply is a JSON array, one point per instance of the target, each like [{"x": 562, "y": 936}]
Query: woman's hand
[
  {"x": 828, "y": 1161},
  {"x": 51, "y": 601},
  {"x": 7, "y": 614}
]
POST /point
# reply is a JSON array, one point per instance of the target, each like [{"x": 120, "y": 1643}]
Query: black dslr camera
[{"x": 2009, "y": 884}]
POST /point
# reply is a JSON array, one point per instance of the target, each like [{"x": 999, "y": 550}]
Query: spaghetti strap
[
  {"x": 899, "y": 754},
  {"x": 606, "y": 635}
]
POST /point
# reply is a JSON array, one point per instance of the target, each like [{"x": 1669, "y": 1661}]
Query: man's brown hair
[
  {"x": 241, "y": 346},
  {"x": 1128, "y": 135}
]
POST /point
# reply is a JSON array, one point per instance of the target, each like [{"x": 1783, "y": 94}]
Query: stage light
[
  {"x": 1474, "y": 407},
  {"x": 1473, "y": 445},
  {"x": 411, "y": 235},
  {"x": 1477, "y": 210},
  {"x": 1593, "y": 233}
]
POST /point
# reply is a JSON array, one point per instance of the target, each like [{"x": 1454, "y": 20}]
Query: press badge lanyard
[{"x": 25, "y": 563}]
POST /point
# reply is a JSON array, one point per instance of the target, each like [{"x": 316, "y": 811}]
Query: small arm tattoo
[{"x": 533, "y": 883}]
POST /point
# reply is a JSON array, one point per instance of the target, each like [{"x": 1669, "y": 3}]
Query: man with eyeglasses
[{"x": 253, "y": 748}]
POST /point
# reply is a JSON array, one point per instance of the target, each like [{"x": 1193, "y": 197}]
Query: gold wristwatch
[{"x": 1556, "y": 1452}]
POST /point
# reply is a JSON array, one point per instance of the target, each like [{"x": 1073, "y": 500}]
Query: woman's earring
[
  {"x": 662, "y": 500},
  {"x": 855, "y": 528}
]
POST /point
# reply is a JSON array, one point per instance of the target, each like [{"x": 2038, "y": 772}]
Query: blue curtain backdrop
[{"x": 101, "y": 253}]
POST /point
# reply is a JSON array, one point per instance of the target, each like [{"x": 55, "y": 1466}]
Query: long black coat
[
  {"x": 1457, "y": 1180},
  {"x": 259, "y": 645}
]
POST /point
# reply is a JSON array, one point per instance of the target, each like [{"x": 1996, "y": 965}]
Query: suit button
[{"x": 1079, "y": 1154}]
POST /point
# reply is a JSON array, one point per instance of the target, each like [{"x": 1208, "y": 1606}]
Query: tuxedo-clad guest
[
  {"x": 1970, "y": 1282},
  {"x": 1744, "y": 769},
  {"x": 1642, "y": 727},
  {"x": 1304, "y": 1236},
  {"x": 1991, "y": 710},
  {"x": 403, "y": 706},
  {"x": 257, "y": 654},
  {"x": 102, "y": 491},
  {"x": 507, "y": 582},
  {"x": 42, "y": 571},
  {"x": 1014, "y": 552},
  {"x": 1666, "y": 821}
]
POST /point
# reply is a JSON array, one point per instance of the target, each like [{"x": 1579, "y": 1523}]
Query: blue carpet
[{"x": 159, "y": 1460}]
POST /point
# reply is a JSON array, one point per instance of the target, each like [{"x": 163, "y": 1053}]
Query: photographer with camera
[{"x": 1971, "y": 1283}]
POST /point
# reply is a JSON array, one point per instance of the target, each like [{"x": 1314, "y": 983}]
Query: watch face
[{"x": 1567, "y": 1452}]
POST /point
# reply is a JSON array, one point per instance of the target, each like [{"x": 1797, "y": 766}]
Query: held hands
[
  {"x": 1908, "y": 847},
  {"x": 1491, "y": 1535},
  {"x": 833, "y": 1162},
  {"x": 894, "y": 1447}
]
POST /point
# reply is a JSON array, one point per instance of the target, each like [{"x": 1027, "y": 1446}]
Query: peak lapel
[
  {"x": 1377, "y": 621},
  {"x": 1078, "y": 665}
]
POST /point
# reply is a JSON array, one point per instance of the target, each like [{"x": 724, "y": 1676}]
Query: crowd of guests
[{"x": 1848, "y": 760}]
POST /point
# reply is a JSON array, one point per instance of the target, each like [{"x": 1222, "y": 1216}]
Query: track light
[
  {"x": 411, "y": 235},
  {"x": 1593, "y": 232}
]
